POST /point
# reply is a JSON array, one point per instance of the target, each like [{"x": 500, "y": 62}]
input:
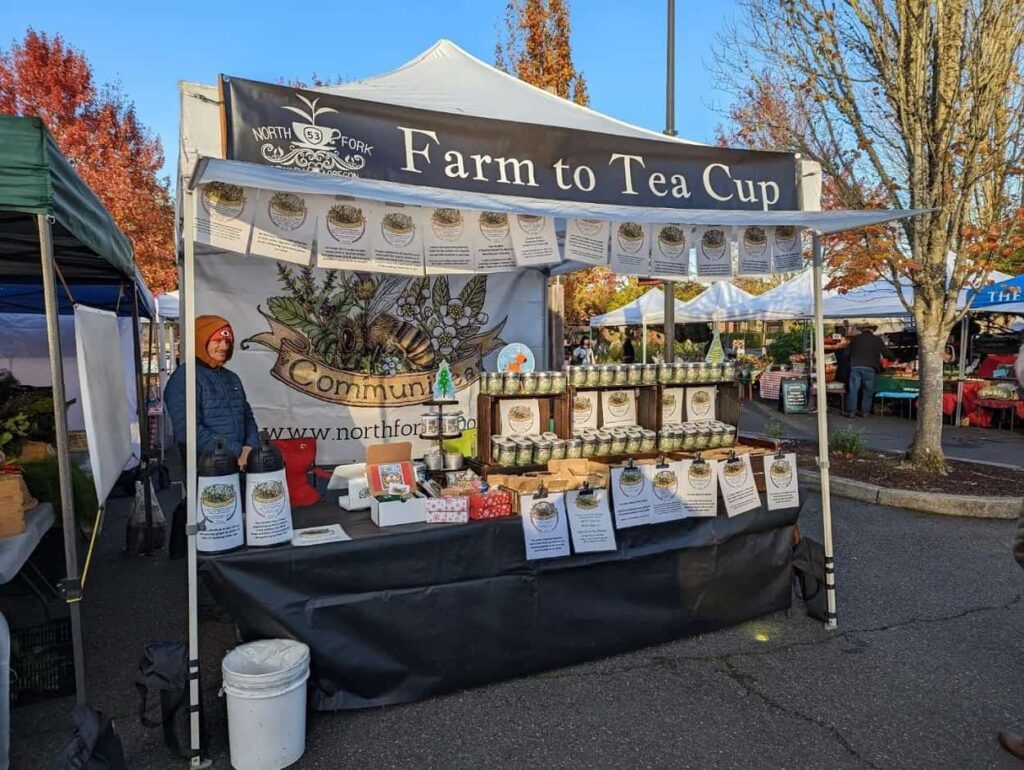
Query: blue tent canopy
[
  {"x": 1004, "y": 297},
  {"x": 116, "y": 298}
]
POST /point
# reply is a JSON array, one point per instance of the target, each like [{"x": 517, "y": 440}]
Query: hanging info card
[
  {"x": 534, "y": 240},
  {"x": 590, "y": 521},
  {"x": 632, "y": 496},
  {"x": 342, "y": 235},
  {"x": 782, "y": 488},
  {"x": 739, "y": 491},
  {"x": 586, "y": 241},
  {"x": 630, "y": 248},
  {"x": 224, "y": 215},
  {"x": 545, "y": 530},
  {"x": 698, "y": 487}
]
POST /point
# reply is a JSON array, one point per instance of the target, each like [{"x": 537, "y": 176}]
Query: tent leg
[
  {"x": 822, "y": 412},
  {"x": 141, "y": 412},
  {"x": 161, "y": 341},
  {"x": 669, "y": 288},
  {"x": 71, "y": 587},
  {"x": 188, "y": 361},
  {"x": 963, "y": 366},
  {"x": 643, "y": 344}
]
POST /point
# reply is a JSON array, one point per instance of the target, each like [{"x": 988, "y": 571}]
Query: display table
[
  {"x": 419, "y": 610},
  {"x": 16, "y": 550}
]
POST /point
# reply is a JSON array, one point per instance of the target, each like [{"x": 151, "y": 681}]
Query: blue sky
[{"x": 149, "y": 45}]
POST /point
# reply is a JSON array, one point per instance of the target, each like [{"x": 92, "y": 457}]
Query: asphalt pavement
[{"x": 925, "y": 667}]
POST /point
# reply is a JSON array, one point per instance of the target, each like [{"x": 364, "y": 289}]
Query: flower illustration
[
  {"x": 457, "y": 312},
  {"x": 445, "y": 335},
  {"x": 390, "y": 365},
  {"x": 481, "y": 318},
  {"x": 408, "y": 306}
]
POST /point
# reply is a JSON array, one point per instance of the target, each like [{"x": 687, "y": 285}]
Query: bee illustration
[{"x": 371, "y": 336}]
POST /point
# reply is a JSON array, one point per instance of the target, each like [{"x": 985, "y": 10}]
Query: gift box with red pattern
[
  {"x": 493, "y": 504},
  {"x": 447, "y": 510}
]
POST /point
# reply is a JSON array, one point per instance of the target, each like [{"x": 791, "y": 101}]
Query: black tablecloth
[{"x": 404, "y": 613}]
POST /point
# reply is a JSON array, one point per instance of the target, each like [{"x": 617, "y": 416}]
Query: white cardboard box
[{"x": 410, "y": 511}]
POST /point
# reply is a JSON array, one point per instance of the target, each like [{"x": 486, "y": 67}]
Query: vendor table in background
[
  {"x": 770, "y": 383},
  {"x": 999, "y": 405},
  {"x": 16, "y": 550},
  {"x": 421, "y": 610}
]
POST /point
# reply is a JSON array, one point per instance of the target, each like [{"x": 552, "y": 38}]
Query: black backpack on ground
[
  {"x": 164, "y": 668},
  {"x": 809, "y": 572},
  {"x": 94, "y": 746}
]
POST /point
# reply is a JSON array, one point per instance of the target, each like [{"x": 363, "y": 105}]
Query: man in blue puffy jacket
[{"x": 222, "y": 410}]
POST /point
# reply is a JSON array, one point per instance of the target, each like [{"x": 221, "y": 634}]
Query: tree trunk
[{"x": 926, "y": 450}]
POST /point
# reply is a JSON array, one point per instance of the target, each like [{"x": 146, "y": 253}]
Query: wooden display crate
[{"x": 488, "y": 419}]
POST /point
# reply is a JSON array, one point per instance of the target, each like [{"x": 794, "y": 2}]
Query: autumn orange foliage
[{"x": 97, "y": 129}]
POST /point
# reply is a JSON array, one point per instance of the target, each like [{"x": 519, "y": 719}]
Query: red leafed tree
[{"x": 99, "y": 132}]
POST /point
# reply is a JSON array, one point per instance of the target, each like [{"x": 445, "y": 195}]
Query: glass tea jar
[
  {"x": 573, "y": 448},
  {"x": 558, "y": 449},
  {"x": 506, "y": 455},
  {"x": 703, "y": 437},
  {"x": 729, "y": 371},
  {"x": 541, "y": 452},
  {"x": 634, "y": 374},
  {"x": 621, "y": 374},
  {"x": 588, "y": 445},
  {"x": 714, "y": 372},
  {"x": 604, "y": 445},
  {"x": 650, "y": 374},
  {"x": 665, "y": 440},
  {"x": 524, "y": 452},
  {"x": 665, "y": 372},
  {"x": 593, "y": 375},
  {"x": 557, "y": 382},
  {"x": 634, "y": 440},
  {"x": 606, "y": 375},
  {"x": 529, "y": 383},
  {"x": 648, "y": 440},
  {"x": 716, "y": 436},
  {"x": 728, "y": 435},
  {"x": 618, "y": 445},
  {"x": 578, "y": 376},
  {"x": 511, "y": 385},
  {"x": 689, "y": 438}
]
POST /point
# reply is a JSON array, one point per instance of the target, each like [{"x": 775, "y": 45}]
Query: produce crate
[{"x": 42, "y": 662}]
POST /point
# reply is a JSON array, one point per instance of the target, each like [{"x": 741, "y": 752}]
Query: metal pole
[
  {"x": 826, "y": 500},
  {"x": 188, "y": 361},
  {"x": 963, "y": 366},
  {"x": 71, "y": 586},
  {"x": 141, "y": 412},
  {"x": 161, "y": 342},
  {"x": 643, "y": 344},
  {"x": 669, "y": 287}
]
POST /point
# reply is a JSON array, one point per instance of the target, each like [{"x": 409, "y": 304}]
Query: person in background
[
  {"x": 583, "y": 354},
  {"x": 628, "y": 351},
  {"x": 222, "y": 410},
  {"x": 866, "y": 352}
]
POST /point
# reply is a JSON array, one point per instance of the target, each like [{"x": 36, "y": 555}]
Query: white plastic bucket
[{"x": 265, "y": 684}]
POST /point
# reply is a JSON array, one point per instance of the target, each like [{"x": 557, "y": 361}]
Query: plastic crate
[
  {"x": 36, "y": 639},
  {"x": 48, "y": 674}
]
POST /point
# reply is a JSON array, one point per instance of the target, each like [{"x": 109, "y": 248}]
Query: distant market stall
[
  {"x": 61, "y": 254},
  {"x": 391, "y": 203}
]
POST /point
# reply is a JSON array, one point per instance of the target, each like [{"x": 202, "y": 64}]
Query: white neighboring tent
[
  {"x": 792, "y": 300},
  {"x": 168, "y": 305},
  {"x": 712, "y": 302},
  {"x": 647, "y": 309}
]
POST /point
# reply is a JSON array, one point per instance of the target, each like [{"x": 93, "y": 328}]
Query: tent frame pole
[
  {"x": 643, "y": 344},
  {"x": 142, "y": 414},
  {"x": 670, "y": 321},
  {"x": 963, "y": 366},
  {"x": 161, "y": 367},
  {"x": 822, "y": 414},
  {"x": 189, "y": 319},
  {"x": 71, "y": 586}
]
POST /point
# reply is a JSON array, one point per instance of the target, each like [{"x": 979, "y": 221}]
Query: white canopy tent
[
  {"x": 711, "y": 303},
  {"x": 646, "y": 310},
  {"x": 446, "y": 79}
]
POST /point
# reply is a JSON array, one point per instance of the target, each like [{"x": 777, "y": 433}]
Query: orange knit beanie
[{"x": 206, "y": 327}]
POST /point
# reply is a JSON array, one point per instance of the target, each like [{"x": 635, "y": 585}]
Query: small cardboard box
[
  {"x": 575, "y": 472},
  {"x": 447, "y": 510},
  {"x": 520, "y": 485},
  {"x": 412, "y": 510},
  {"x": 381, "y": 461}
]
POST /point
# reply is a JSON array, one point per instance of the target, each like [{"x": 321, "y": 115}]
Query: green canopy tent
[{"x": 54, "y": 228}]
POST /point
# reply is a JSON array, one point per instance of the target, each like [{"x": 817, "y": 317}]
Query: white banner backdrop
[
  {"x": 101, "y": 376},
  {"x": 349, "y": 358}
]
